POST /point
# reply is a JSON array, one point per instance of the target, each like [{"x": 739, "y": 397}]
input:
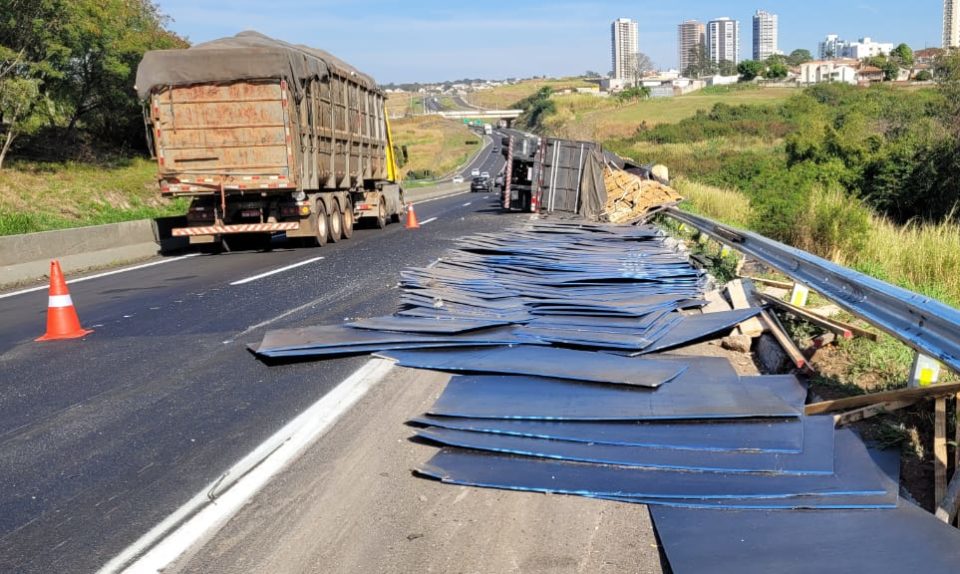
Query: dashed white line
[
  {"x": 204, "y": 514},
  {"x": 275, "y": 271},
  {"x": 431, "y": 220},
  {"x": 468, "y": 204},
  {"x": 105, "y": 274}
]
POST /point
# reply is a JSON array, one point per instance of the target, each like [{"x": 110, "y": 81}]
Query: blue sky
[{"x": 429, "y": 40}]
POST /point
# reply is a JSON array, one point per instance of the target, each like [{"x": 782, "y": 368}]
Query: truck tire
[
  {"x": 335, "y": 221},
  {"x": 323, "y": 229},
  {"x": 347, "y": 223},
  {"x": 381, "y": 220}
]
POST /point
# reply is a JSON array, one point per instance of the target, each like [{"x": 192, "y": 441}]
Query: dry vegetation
[
  {"x": 434, "y": 144},
  {"x": 504, "y": 97},
  {"x": 42, "y": 196}
]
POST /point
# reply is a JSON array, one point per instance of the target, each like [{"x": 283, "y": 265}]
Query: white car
[
  {"x": 485, "y": 175},
  {"x": 475, "y": 173},
  {"x": 458, "y": 179}
]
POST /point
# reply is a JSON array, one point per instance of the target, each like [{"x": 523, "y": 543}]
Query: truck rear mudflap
[{"x": 238, "y": 228}]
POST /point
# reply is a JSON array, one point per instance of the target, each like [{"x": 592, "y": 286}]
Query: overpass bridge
[{"x": 507, "y": 115}]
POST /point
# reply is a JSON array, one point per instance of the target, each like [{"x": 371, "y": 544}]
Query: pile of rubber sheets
[{"x": 558, "y": 336}]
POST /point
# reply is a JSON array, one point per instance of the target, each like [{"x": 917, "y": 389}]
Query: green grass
[
  {"x": 434, "y": 145},
  {"x": 44, "y": 196},
  {"x": 504, "y": 97}
]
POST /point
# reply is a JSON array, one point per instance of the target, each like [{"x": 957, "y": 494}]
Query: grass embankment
[
  {"x": 504, "y": 97},
  {"x": 45, "y": 196},
  {"x": 580, "y": 116},
  {"x": 435, "y": 146},
  {"x": 401, "y": 104}
]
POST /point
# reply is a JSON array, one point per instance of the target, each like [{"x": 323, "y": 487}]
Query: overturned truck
[{"x": 267, "y": 136}]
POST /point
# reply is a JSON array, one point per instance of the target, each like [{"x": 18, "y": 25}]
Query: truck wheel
[
  {"x": 336, "y": 223},
  {"x": 398, "y": 216},
  {"x": 382, "y": 214},
  {"x": 347, "y": 223},
  {"x": 320, "y": 213}
]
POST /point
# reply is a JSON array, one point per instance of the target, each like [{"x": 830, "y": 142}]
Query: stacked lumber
[{"x": 631, "y": 198}]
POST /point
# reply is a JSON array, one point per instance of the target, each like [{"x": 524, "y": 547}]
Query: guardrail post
[{"x": 924, "y": 372}]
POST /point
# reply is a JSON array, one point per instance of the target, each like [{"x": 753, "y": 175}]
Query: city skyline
[
  {"x": 500, "y": 39},
  {"x": 624, "y": 47},
  {"x": 765, "y": 35}
]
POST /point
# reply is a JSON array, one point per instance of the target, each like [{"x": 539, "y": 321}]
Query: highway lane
[{"x": 101, "y": 438}]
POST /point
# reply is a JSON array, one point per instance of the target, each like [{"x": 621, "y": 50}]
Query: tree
[
  {"x": 20, "y": 98},
  {"x": 891, "y": 69},
  {"x": 638, "y": 64},
  {"x": 700, "y": 63},
  {"x": 776, "y": 70},
  {"x": 903, "y": 55},
  {"x": 749, "y": 70},
  {"x": 727, "y": 68},
  {"x": 799, "y": 56},
  {"x": 946, "y": 70},
  {"x": 923, "y": 76},
  {"x": 591, "y": 74},
  {"x": 634, "y": 94}
]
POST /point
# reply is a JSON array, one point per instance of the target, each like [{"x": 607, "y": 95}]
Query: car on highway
[
  {"x": 475, "y": 173},
  {"x": 458, "y": 179},
  {"x": 485, "y": 175},
  {"x": 481, "y": 185}
]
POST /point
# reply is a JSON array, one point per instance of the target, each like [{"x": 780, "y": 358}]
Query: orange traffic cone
[
  {"x": 412, "y": 217},
  {"x": 62, "y": 320}
]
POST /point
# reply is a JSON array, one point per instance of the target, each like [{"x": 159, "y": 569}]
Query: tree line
[{"x": 67, "y": 69}]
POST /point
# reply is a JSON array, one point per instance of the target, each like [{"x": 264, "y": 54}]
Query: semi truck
[{"x": 266, "y": 136}]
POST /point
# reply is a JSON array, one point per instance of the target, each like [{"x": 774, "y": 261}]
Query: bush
[{"x": 834, "y": 225}]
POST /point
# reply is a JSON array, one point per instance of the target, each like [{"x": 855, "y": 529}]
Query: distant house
[
  {"x": 927, "y": 56},
  {"x": 822, "y": 71},
  {"x": 869, "y": 75}
]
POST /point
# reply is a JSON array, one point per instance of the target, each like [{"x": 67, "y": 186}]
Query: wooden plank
[
  {"x": 857, "y": 331},
  {"x": 752, "y": 326},
  {"x": 948, "y": 505},
  {"x": 940, "y": 448},
  {"x": 809, "y": 317},
  {"x": 785, "y": 341},
  {"x": 771, "y": 282},
  {"x": 870, "y": 411},
  {"x": 857, "y": 402}
]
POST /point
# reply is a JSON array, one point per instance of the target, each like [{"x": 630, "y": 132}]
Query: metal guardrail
[{"x": 926, "y": 325}]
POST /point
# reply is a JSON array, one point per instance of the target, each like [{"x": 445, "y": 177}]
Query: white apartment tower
[
  {"x": 831, "y": 48},
  {"x": 723, "y": 40},
  {"x": 764, "y": 35},
  {"x": 951, "y": 24},
  {"x": 690, "y": 35},
  {"x": 624, "y": 37}
]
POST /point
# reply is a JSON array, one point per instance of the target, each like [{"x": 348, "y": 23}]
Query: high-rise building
[
  {"x": 723, "y": 40},
  {"x": 832, "y": 47},
  {"x": 690, "y": 35},
  {"x": 764, "y": 35},
  {"x": 951, "y": 24},
  {"x": 624, "y": 37}
]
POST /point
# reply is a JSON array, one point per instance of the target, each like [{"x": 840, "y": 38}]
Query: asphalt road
[{"x": 102, "y": 438}]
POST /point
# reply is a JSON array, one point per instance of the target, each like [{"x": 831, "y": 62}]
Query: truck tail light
[{"x": 304, "y": 210}]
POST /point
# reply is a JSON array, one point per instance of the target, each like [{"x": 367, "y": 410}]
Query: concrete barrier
[{"x": 25, "y": 258}]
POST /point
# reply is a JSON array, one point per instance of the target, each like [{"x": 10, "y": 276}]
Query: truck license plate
[{"x": 250, "y": 213}]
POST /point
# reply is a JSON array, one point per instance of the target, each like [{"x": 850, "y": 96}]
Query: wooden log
[
  {"x": 857, "y": 331},
  {"x": 799, "y": 361},
  {"x": 948, "y": 505},
  {"x": 771, "y": 282},
  {"x": 940, "y": 448},
  {"x": 857, "y": 402},
  {"x": 806, "y": 315},
  {"x": 738, "y": 297},
  {"x": 870, "y": 411}
]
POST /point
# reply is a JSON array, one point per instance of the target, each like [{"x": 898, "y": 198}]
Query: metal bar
[{"x": 918, "y": 321}]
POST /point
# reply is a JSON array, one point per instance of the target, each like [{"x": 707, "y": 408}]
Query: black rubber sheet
[
  {"x": 339, "y": 338},
  {"x": 536, "y": 398},
  {"x": 693, "y": 328},
  {"x": 855, "y": 474},
  {"x": 815, "y": 457},
  {"x": 887, "y": 461},
  {"x": 898, "y": 541},
  {"x": 435, "y": 325},
  {"x": 762, "y": 435},
  {"x": 547, "y": 362}
]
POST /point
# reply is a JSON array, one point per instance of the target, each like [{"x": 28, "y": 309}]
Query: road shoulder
[{"x": 352, "y": 504}]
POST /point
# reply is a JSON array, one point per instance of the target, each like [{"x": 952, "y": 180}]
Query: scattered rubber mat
[
  {"x": 815, "y": 457},
  {"x": 546, "y": 362},
  {"x": 855, "y": 474},
  {"x": 537, "y": 398},
  {"x": 434, "y": 325},
  {"x": 901, "y": 540},
  {"x": 764, "y": 435}
]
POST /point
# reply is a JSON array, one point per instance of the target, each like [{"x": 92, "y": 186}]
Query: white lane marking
[
  {"x": 431, "y": 220},
  {"x": 105, "y": 274},
  {"x": 468, "y": 204},
  {"x": 210, "y": 509},
  {"x": 453, "y": 194},
  {"x": 275, "y": 271}
]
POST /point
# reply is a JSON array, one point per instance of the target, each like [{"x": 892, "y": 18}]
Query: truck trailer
[{"x": 267, "y": 136}]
